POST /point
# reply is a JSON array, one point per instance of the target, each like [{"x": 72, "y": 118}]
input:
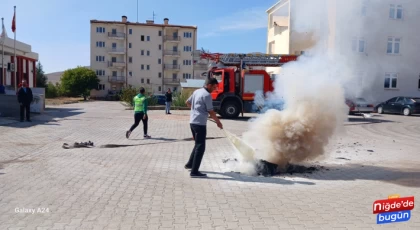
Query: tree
[
  {"x": 79, "y": 82},
  {"x": 41, "y": 79}
]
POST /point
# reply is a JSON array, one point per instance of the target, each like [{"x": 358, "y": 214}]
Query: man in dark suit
[{"x": 25, "y": 98}]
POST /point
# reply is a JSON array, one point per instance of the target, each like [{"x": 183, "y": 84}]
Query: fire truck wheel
[{"x": 230, "y": 109}]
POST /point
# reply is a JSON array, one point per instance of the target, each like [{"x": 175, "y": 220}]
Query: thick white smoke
[{"x": 314, "y": 87}]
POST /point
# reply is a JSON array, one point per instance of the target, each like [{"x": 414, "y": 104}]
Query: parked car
[
  {"x": 359, "y": 105},
  {"x": 161, "y": 99},
  {"x": 400, "y": 105}
]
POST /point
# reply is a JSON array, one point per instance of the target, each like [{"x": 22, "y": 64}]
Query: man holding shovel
[{"x": 201, "y": 105}]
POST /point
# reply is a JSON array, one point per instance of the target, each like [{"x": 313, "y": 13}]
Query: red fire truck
[{"x": 239, "y": 79}]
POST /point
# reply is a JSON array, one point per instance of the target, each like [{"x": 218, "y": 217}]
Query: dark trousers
[
  {"x": 199, "y": 133},
  {"x": 25, "y": 108},
  {"x": 137, "y": 118}
]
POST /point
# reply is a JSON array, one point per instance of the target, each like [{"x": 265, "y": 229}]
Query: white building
[
  {"x": 378, "y": 36},
  {"x": 154, "y": 56},
  {"x": 25, "y": 67}
]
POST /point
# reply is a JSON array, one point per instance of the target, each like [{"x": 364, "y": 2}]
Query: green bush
[
  {"x": 51, "y": 91},
  {"x": 127, "y": 95},
  {"x": 179, "y": 99}
]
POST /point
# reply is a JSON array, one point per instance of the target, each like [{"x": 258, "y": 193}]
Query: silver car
[{"x": 359, "y": 105}]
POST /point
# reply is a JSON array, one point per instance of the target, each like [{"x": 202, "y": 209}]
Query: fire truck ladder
[{"x": 234, "y": 59}]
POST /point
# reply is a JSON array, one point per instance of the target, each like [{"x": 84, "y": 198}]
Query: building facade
[
  {"x": 25, "y": 64},
  {"x": 378, "y": 38},
  {"x": 154, "y": 56}
]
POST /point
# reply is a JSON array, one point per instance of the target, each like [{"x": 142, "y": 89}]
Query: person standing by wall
[
  {"x": 201, "y": 105},
  {"x": 140, "y": 113},
  {"x": 168, "y": 101},
  {"x": 25, "y": 98}
]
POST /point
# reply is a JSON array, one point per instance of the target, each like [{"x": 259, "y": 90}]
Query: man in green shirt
[{"x": 140, "y": 113}]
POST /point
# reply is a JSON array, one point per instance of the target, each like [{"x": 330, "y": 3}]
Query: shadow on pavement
[
  {"x": 166, "y": 140},
  {"x": 409, "y": 177},
  {"x": 232, "y": 176},
  {"x": 365, "y": 121},
  {"x": 47, "y": 118}
]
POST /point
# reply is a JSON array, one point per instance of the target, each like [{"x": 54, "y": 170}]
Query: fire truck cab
[{"x": 239, "y": 80}]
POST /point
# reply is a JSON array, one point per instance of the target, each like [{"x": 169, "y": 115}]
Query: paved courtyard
[{"x": 145, "y": 186}]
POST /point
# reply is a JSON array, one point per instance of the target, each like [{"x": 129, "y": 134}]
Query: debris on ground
[
  {"x": 88, "y": 144},
  {"x": 370, "y": 151},
  {"x": 265, "y": 168},
  {"x": 343, "y": 158}
]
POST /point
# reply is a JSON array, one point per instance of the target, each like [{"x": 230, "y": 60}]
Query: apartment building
[
  {"x": 378, "y": 37},
  {"x": 154, "y": 56}
]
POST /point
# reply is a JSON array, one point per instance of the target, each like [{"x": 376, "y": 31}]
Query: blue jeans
[{"x": 168, "y": 106}]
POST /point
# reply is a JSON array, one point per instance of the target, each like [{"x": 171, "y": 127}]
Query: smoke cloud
[{"x": 314, "y": 87}]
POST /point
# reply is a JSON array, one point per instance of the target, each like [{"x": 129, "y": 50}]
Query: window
[
  {"x": 358, "y": 45},
  {"x": 130, "y": 31},
  {"x": 142, "y": 80},
  {"x": 129, "y": 45},
  {"x": 160, "y": 88},
  {"x": 159, "y": 61},
  {"x": 113, "y": 59},
  {"x": 160, "y": 33},
  {"x": 148, "y": 38},
  {"x": 187, "y": 48},
  {"x": 187, "y": 35},
  {"x": 390, "y": 81},
  {"x": 148, "y": 81},
  {"x": 393, "y": 46},
  {"x": 395, "y": 12},
  {"x": 130, "y": 74},
  {"x": 100, "y": 30},
  {"x": 100, "y": 44},
  {"x": 186, "y": 75},
  {"x": 142, "y": 52},
  {"x": 148, "y": 67},
  {"x": 114, "y": 31},
  {"x": 100, "y": 58},
  {"x": 187, "y": 62},
  {"x": 363, "y": 9},
  {"x": 142, "y": 67},
  {"x": 419, "y": 83},
  {"x": 148, "y": 53},
  {"x": 160, "y": 47},
  {"x": 100, "y": 72},
  {"x": 160, "y": 75},
  {"x": 114, "y": 45},
  {"x": 174, "y": 76},
  {"x": 142, "y": 38},
  {"x": 130, "y": 59},
  {"x": 114, "y": 73},
  {"x": 101, "y": 87}
]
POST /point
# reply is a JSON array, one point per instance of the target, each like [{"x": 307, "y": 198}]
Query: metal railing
[
  {"x": 116, "y": 79},
  {"x": 116, "y": 64},
  {"x": 172, "y": 38},
  {"x": 116, "y": 35},
  {"x": 171, "y": 80},
  {"x": 171, "y": 52},
  {"x": 116, "y": 50},
  {"x": 171, "y": 66}
]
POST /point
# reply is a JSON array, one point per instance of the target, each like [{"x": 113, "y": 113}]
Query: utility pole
[{"x": 137, "y": 11}]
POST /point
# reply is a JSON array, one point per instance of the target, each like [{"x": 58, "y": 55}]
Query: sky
[{"x": 59, "y": 30}]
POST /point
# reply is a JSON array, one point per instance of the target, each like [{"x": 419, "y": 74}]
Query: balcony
[
  {"x": 170, "y": 38},
  {"x": 116, "y": 35},
  {"x": 201, "y": 66},
  {"x": 116, "y": 79},
  {"x": 171, "y": 81},
  {"x": 171, "y": 67},
  {"x": 116, "y": 50},
  {"x": 118, "y": 64},
  {"x": 171, "y": 53}
]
